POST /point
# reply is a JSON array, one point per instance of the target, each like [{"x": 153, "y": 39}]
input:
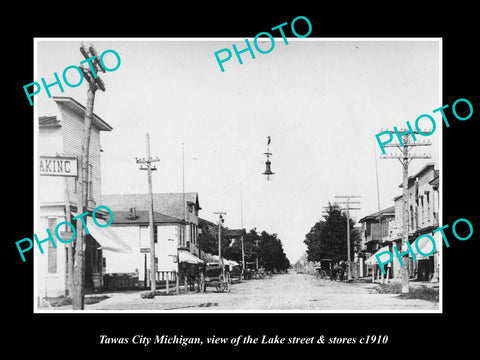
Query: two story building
[
  {"x": 175, "y": 223},
  {"x": 423, "y": 218},
  {"x": 376, "y": 230},
  {"x": 60, "y": 135}
]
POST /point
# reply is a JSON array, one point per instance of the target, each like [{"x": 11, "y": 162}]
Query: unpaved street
[{"x": 281, "y": 292}]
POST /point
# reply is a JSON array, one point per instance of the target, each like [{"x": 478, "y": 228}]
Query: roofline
[
  {"x": 66, "y": 99},
  {"x": 172, "y": 220},
  {"x": 387, "y": 211},
  {"x": 155, "y": 222},
  {"x": 419, "y": 172}
]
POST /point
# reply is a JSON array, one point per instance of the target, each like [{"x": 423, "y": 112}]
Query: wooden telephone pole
[
  {"x": 241, "y": 239},
  {"x": 348, "y": 208},
  {"x": 94, "y": 83},
  {"x": 148, "y": 161},
  {"x": 220, "y": 221},
  {"x": 405, "y": 157}
]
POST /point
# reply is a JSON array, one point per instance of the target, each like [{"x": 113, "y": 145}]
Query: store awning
[
  {"x": 230, "y": 262},
  {"x": 187, "y": 257},
  {"x": 425, "y": 245},
  {"x": 225, "y": 261},
  {"x": 372, "y": 260},
  {"x": 106, "y": 237}
]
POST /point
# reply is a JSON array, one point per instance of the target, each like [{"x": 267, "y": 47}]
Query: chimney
[{"x": 132, "y": 213}]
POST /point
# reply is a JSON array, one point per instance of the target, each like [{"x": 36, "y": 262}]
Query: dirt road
[{"x": 289, "y": 292}]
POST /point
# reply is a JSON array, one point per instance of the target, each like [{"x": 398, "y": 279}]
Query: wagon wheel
[
  {"x": 323, "y": 274},
  {"x": 201, "y": 283},
  {"x": 228, "y": 281},
  {"x": 220, "y": 285}
]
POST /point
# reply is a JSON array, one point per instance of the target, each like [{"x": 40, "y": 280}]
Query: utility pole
[
  {"x": 184, "y": 205},
  {"x": 68, "y": 218},
  {"x": 241, "y": 221},
  {"x": 256, "y": 256},
  {"x": 220, "y": 221},
  {"x": 405, "y": 157},
  {"x": 376, "y": 175},
  {"x": 348, "y": 208},
  {"x": 148, "y": 161},
  {"x": 94, "y": 83}
]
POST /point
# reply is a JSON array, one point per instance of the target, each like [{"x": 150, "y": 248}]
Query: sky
[{"x": 322, "y": 101}]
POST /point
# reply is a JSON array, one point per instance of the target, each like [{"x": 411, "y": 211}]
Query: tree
[
  {"x": 208, "y": 237},
  {"x": 234, "y": 250},
  {"x": 327, "y": 239},
  {"x": 270, "y": 252}
]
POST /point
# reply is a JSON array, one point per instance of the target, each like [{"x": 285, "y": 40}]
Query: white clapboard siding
[{"x": 72, "y": 126}]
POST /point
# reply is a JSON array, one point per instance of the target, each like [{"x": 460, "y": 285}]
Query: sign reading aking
[{"x": 58, "y": 166}]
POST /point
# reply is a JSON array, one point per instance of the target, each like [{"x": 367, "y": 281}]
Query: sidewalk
[{"x": 412, "y": 283}]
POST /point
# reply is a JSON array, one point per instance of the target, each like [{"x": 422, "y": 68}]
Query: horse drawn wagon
[{"x": 218, "y": 276}]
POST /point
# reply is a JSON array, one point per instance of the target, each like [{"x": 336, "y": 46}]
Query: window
[
  {"x": 52, "y": 251},
  {"x": 90, "y": 182},
  {"x": 422, "y": 212},
  {"x": 74, "y": 180},
  {"x": 194, "y": 234},
  {"x": 428, "y": 206},
  {"x": 191, "y": 233},
  {"x": 411, "y": 219},
  {"x": 145, "y": 235}
]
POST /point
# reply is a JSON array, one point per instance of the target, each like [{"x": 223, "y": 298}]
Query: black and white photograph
[
  {"x": 265, "y": 186},
  {"x": 230, "y": 180}
]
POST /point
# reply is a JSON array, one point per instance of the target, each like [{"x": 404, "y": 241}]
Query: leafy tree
[
  {"x": 269, "y": 250},
  {"x": 327, "y": 239},
  {"x": 208, "y": 238},
  {"x": 207, "y": 241},
  {"x": 234, "y": 250}
]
